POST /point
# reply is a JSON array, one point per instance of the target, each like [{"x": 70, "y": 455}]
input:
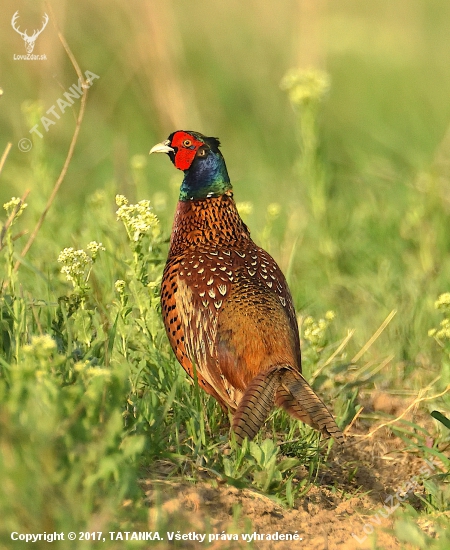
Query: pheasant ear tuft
[{"x": 213, "y": 143}]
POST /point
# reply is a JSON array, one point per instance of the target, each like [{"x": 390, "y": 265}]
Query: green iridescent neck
[{"x": 207, "y": 177}]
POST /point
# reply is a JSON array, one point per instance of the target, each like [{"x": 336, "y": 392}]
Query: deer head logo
[{"x": 29, "y": 40}]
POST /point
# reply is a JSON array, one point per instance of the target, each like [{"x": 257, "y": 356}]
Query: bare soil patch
[{"x": 339, "y": 511}]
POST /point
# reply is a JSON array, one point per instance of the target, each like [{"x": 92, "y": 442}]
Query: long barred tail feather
[
  {"x": 285, "y": 400},
  {"x": 286, "y": 388},
  {"x": 255, "y": 405},
  {"x": 303, "y": 403}
]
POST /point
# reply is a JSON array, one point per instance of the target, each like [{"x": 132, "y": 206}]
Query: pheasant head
[{"x": 199, "y": 157}]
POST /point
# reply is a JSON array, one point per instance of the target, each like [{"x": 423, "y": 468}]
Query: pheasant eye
[{"x": 187, "y": 143}]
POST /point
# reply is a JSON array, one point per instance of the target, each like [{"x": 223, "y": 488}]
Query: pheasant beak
[{"x": 162, "y": 147}]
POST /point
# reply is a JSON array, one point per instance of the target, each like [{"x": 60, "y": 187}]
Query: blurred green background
[{"x": 383, "y": 240}]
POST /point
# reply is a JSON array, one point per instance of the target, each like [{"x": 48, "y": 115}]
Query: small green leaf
[{"x": 443, "y": 419}]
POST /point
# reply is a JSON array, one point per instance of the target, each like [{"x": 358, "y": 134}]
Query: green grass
[{"x": 349, "y": 190}]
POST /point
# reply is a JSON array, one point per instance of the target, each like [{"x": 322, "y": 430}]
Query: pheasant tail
[
  {"x": 297, "y": 397},
  {"x": 287, "y": 389},
  {"x": 255, "y": 405}
]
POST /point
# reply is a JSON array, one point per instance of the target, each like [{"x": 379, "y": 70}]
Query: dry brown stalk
[
  {"x": 72, "y": 143},
  {"x": 416, "y": 401},
  {"x": 375, "y": 336},
  {"x": 4, "y": 156}
]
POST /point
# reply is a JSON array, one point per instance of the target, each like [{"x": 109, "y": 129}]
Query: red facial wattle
[{"x": 186, "y": 147}]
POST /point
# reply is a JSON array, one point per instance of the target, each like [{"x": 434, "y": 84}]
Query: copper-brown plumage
[{"x": 226, "y": 305}]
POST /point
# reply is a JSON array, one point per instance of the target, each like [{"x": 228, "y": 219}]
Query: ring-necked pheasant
[{"x": 226, "y": 305}]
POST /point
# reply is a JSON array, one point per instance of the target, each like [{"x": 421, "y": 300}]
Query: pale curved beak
[{"x": 162, "y": 147}]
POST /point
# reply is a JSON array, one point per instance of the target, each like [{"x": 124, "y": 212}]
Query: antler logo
[{"x": 29, "y": 40}]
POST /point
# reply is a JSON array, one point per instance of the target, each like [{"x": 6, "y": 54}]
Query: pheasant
[{"x": 226, "y": 306}]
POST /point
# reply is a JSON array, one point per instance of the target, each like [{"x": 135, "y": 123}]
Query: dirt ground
[{"x": 367, "y": 471}]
